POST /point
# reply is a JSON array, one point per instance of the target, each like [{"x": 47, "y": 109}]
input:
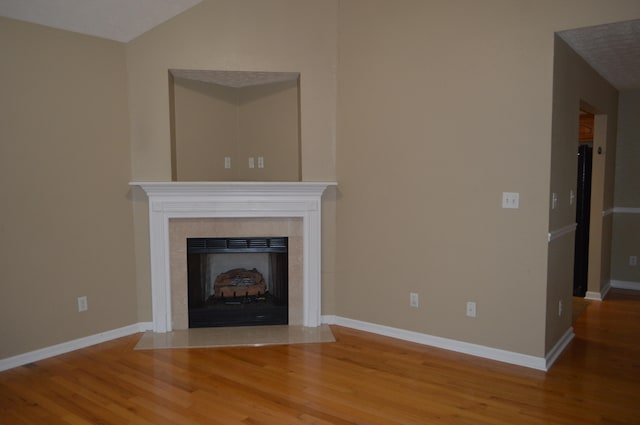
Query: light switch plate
[
  {"x": 471, "y": 309},
  {"x": 414, "y": 300},
  {"x": 82, "y": 304}
]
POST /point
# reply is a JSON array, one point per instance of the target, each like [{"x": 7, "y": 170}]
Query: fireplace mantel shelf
[
  {"x": 169, "y": 200},
  {"x": 240, "y": 188}
]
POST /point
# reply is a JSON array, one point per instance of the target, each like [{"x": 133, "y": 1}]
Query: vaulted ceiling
[
  {"x": 613, "y": 50},
  {"x": 119, "y": 20}
]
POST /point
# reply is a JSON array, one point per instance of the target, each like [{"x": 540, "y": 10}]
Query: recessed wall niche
[{"x": 235, "y": 125}]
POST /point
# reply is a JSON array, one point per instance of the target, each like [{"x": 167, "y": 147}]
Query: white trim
[
  {"x": 598, "y": 296},
  {"x": 625, "y": 284},
  {"x": 539, "y": 363},
  {"x": 625, "y": 210},
  {"x": 425, "y": 339},
  {"x": 169, "y": 200},
  {"x": 593, "y": 296},
  {"x": 76, "y": 344},
  {"x": 328, "y": 319},
  {"x": 559, "y": 348},
  {"x": 555, "y": 234}
]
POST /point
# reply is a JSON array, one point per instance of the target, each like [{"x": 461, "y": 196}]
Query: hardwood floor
[{"x": 360, "y": 379}]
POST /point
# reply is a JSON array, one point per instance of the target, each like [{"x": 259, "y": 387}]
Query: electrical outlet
[
  {"x": 554, "y": 201},
  {"x": 511, "y": 200},
  {"x": 82, "y": 304},
  {"x": 252, "y": 163},
  {"x": 227, "y": 162},
  {"x": 633, "y": 260},
  {"x": 261, "y": 162},
  {"x": 560, "y": 308},
  {"x": 471, "y": 309},
  {"x": 414, "y": 300}
]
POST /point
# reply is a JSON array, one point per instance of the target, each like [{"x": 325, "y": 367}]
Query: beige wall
[
  {"x": 576, "y": 83},
  {"x": 268, "y": 128},
  {"x": 602, "y": 190},
  {"x": 442, "y": 106},
  {"x": 64, "y": 167},
  {"x": 626, "y": 226},
  {"x": 206, "y": 117},
  {"x": 245, "y": 35},
  {"x": 213, "y": 122}
]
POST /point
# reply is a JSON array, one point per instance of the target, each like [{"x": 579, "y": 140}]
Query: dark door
[{"x": 583, "y": 209}]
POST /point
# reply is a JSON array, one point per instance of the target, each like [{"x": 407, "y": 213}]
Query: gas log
[{"x": 239, "y": 283}]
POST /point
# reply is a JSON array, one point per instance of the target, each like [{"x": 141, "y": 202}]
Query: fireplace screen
[{"x": 237, "y": 281}]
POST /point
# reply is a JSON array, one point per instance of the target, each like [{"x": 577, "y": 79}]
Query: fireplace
[
  {"x": 181, "y": 210},
  {"x": 237, "y": 281}
]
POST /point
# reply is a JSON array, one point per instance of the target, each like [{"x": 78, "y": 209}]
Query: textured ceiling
[
  {"x": 119, "y": 20},
  {"x": 613, "y": 50},
  {"x": 235, "y": 78}
]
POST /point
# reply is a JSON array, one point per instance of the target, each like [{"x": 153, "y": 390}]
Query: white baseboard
[
  {"x": 66, "y": 347},
  {"x": 559, "y": 348},
  {"x": 598, "y": 296},
  {"x": 625, "y": 284},
  {"x": 328, "y": 319},
  {"x": 539, "y": 363},
  {"x": 519, "y": 359},
  {"x": 593, "y": 296}
]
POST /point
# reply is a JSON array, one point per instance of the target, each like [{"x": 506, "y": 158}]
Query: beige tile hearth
[{"x": 235, "y": 337}]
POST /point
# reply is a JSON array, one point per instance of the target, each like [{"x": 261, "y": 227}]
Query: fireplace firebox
[{"x": 237, "y": 281}]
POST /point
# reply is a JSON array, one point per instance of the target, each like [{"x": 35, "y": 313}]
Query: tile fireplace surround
[{"x": 184, "y": 209}]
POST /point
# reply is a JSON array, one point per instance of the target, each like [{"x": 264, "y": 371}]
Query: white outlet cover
[
  {"x": 471, "y": 309},
  {"x": 82, "y": 304},
  {"x": 511, "y": 200}
]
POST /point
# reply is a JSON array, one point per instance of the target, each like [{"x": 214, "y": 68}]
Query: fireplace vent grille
[{"x": 220, "y": 245}]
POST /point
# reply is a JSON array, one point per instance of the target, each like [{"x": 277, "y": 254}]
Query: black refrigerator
[{"x": 583, "y": 210}]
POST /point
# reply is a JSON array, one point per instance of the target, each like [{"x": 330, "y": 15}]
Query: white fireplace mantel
[{"x": 169, "y": 200}]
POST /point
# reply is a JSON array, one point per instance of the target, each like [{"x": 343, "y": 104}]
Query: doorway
[{"x": 583, "y": 203}]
